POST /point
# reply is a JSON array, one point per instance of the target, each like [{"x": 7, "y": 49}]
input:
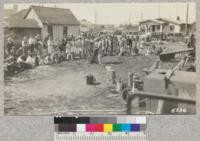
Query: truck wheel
[{"x": 125, "y": 94}]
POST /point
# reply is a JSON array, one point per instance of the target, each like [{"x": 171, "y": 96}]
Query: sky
[{"x": 123, "y": 13}]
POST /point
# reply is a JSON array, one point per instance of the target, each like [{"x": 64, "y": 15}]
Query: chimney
[{"x": 178, "y": 18}]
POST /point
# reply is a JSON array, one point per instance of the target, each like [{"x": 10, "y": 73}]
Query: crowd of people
[{"x": 34, "y": 51}]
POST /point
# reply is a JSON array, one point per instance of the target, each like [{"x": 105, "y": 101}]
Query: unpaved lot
[{"x": 61, "y": 88}]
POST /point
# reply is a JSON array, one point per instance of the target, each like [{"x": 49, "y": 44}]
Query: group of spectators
[{"x": 34, "y": 51}]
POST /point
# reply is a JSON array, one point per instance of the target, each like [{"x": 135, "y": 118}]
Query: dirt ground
[{"x": 62, "y": 88}]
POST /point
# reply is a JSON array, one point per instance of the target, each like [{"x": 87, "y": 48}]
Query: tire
[{"x": 125, "y": 94}]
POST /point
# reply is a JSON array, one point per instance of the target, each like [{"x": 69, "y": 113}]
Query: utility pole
[
  {"x": 159, "y": 10},
  {"x": 129, "y": 20},
  {"x": 95, "y": 17},
  {"x": 186, "y": 28},
  {"x": 141, "y": 16}
]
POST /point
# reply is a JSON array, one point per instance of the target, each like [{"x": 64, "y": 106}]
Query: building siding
[
  {"x": 177, "y": 28},
  {"x": 58, "y": 32},
  {"x": 167, "y": 30},
  {"x": 57, "y": 29},
  {"x": 44, "y": 32},
  {"x": 73, "y": 30}
]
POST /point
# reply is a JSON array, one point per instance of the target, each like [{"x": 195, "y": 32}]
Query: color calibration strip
[
  {"x": 129, "y": 128},
  {"x": 99, "y": 128}
]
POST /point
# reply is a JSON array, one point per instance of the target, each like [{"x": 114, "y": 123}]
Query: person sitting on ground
[
  {"x": 21, "y": 61},
  {"x": 148, "y": 51},
  {"x": 13, "y": 52},
  {"x": 47, "y": 60},
  {"x": 30, "y": 60},
  {"x": 10, "y": 66},
  {"x": 9, "y": 46}
]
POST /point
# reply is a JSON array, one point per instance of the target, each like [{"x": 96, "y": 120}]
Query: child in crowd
[{"x": 68, "y": 51}]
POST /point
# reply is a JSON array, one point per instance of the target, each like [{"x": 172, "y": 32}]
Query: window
[
  {"x": 171, "y": 27},
  {"x": 153, "y": 28},
  {"x": 158, "y": 27},
  {"x": 65, "y": 30},
  {"x": 50, "y": 31}
]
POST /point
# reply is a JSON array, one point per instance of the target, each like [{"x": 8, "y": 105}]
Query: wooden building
[{"x": 56, "y": 22}]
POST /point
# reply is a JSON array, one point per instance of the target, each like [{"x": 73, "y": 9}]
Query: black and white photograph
[{"x": 99, "y": 58}]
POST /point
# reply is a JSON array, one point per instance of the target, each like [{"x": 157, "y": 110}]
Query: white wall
[
  {"x": 148, "y": 26},
  {"x": 177, "y": 28},
  {"x": 58, "y": 31},
  {"x": 73, "y": 30},
  {"x": 33, "y": 15}
]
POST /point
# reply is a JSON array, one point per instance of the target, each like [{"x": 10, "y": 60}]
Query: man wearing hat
[{"x": 9, "y": 45}]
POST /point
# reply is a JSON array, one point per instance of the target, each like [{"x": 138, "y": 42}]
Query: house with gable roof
[{"x": 56, "y": 22}]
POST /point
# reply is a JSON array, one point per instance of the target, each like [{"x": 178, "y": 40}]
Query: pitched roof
[
  {"x": 20, "y": 23},
  {"x": 50, "y": 15},
  {"x": 153, "y": 20},
  {"x": 85, "y": 22},
  {"x": 21, "y": 14},
  {"x": 170, "y": 21}
]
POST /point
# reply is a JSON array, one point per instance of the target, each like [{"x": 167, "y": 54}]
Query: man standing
[
  {"x": 100, "y": 52},
  {"x": 25, "y": 45},
  {"x": 9, "y": 46},
  {"x": 31, "y": 44},
  {"x": 50, "y": 45},
  {"x": 129, "y": 44}
]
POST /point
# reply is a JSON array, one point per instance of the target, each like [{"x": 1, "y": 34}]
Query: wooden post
[
  {"x": 130, "y": 79},
  {"x": 113, "y": 77}
]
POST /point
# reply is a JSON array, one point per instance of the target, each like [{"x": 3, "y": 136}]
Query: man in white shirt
[
  {"x": 31, "y": 44},
  {"x": 30, "y": 60},
  {"x": 25, "y": 44}
]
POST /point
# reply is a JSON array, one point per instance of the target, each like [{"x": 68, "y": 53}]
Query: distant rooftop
[{"x": 164, "y": 20}]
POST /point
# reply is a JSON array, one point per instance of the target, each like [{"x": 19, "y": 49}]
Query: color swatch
[{"x": 100, "y": 124}]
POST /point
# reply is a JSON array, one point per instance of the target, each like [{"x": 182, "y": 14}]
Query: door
[
  {"x": 50, "y": 31},
  {"x": 65, "y": 30}
]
